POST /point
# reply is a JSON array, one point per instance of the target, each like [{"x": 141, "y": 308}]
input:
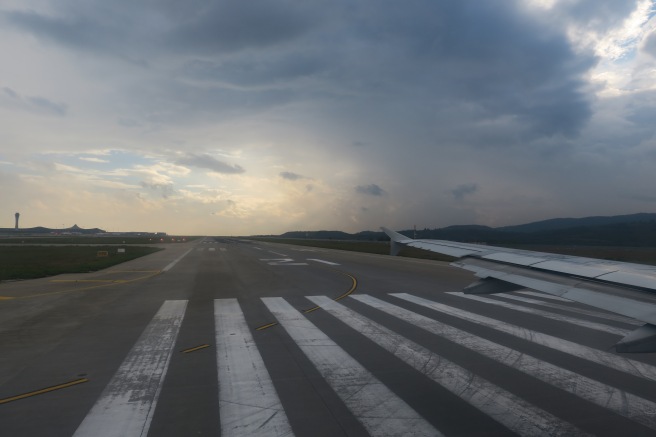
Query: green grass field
[
  {"x": 381, "y": 248},
  {"x": 29, "y": 262}
]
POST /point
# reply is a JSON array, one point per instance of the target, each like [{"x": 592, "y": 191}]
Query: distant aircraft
[{"x": 623, "y": 288}]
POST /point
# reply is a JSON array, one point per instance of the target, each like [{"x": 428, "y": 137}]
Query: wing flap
[{"x": 622, "y": 288}]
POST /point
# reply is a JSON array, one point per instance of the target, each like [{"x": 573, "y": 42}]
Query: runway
[{"x": 227, "y": 337}]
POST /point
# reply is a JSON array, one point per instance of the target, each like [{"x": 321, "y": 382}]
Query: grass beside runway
[
  {"x": 640, "y": 255},
  {"x": 377, "y": 247},
  {"x": 29, "y": 262}
]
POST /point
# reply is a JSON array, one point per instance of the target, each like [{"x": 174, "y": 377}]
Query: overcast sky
[{"x": 250, "y": 117}]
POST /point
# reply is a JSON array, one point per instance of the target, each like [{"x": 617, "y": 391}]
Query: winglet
[{"x": 397, "y": 240}]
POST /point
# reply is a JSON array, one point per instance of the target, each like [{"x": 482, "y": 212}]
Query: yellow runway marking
[
  {"x": 109, "y": 273},
  {"x": 43, "y": 390},
  {"x": 72, "y": 290},
  {"x": 6, "y": 297},
  {"x": 268, "y": 325},
  {"x": 311, "y": 309},
  {"x": 194, "y": 349},
  {"x": 354, "y": 285}
]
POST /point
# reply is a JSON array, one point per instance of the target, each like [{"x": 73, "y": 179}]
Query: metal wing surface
[{"x": 623, "y": 288}]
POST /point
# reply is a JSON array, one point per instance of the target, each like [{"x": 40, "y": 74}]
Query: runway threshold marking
[
  {"x": 515, "y": 413},
  {"x": 603, "y": 358},
  {"x": 128, "y": 402},
  {"x": 43, "y": 390},
  {"x": 606, "y": 396},
  {"x": 323, "y": 261},
  {"x": 354, "y": 285},
  {"x": 194, "y": 349},
  {"x": 372, "y": 403},
  {"x": 248, "y": 402}
]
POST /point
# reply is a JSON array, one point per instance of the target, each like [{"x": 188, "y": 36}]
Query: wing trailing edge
[{"x": 623, "y": 288}]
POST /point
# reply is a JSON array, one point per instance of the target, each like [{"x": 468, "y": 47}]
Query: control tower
[{"x": 17, "y": 215}]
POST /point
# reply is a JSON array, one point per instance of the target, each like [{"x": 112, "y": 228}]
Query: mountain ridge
[{"x": 623, "y": 230}]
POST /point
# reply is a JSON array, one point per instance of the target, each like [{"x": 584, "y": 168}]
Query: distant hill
[
  {"x": 73, "y": 230},
  {"x": 565, "y": 223},
  {"x": 624, "y": 230},
  {"x": 319, "y": 235}
]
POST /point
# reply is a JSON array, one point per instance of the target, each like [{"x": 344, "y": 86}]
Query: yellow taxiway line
[
  {"x": 103, "y": 284},
  {"x": 354, "y": 285},
  {"x": 43, "y": 390}
]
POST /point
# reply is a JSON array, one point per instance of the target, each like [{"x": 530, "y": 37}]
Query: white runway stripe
[
  {"x": 278, "y": 253},
  {"x": 379, "y": 410},
  {"x": 616, "y": 400},
  {"x": 545, "y": 314},
  {"x": 613, "y": 317},
  {"x": 617, "y": 362},
  {"x": 175, "y": 261},
  {"x": 126, "y": 406},
  {"x": 511, "y": 411},
  {"x": 323, "y": 261},
  {"x": 248, "y": 402}
]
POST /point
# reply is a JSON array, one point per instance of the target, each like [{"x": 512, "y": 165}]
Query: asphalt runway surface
[{"x": 241, "y": 338}]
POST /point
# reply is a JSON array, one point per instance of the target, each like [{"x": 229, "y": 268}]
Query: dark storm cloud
[
  {"x": 370, "y": 190},
  {"x": 210, "y": 163},
  {"x": 233, "y": 25},
  {"x": 132, "y": 30},
  {"x": 260, "y": 70},
  {"x": 78, "y": 29},
  {"x": 503, "y": 63},
  {"x": 425, "y": 55},
  {"x": 504, "y": 66},
  {"x": 463, "y": 190},
  {"x": 291, "y": 176}
]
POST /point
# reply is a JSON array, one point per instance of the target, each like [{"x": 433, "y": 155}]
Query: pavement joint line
[
  {"x": 195, "y": 348},
  {"x": 43, "y": 390}
]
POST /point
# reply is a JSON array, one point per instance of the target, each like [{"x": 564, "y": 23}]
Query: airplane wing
[{"x": 623, "y": 288}]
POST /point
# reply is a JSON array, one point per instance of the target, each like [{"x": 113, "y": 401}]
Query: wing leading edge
[{"x": 623, "y": 288}]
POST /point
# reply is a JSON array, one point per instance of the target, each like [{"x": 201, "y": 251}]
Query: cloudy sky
[{"x": 246, "y": 117}]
